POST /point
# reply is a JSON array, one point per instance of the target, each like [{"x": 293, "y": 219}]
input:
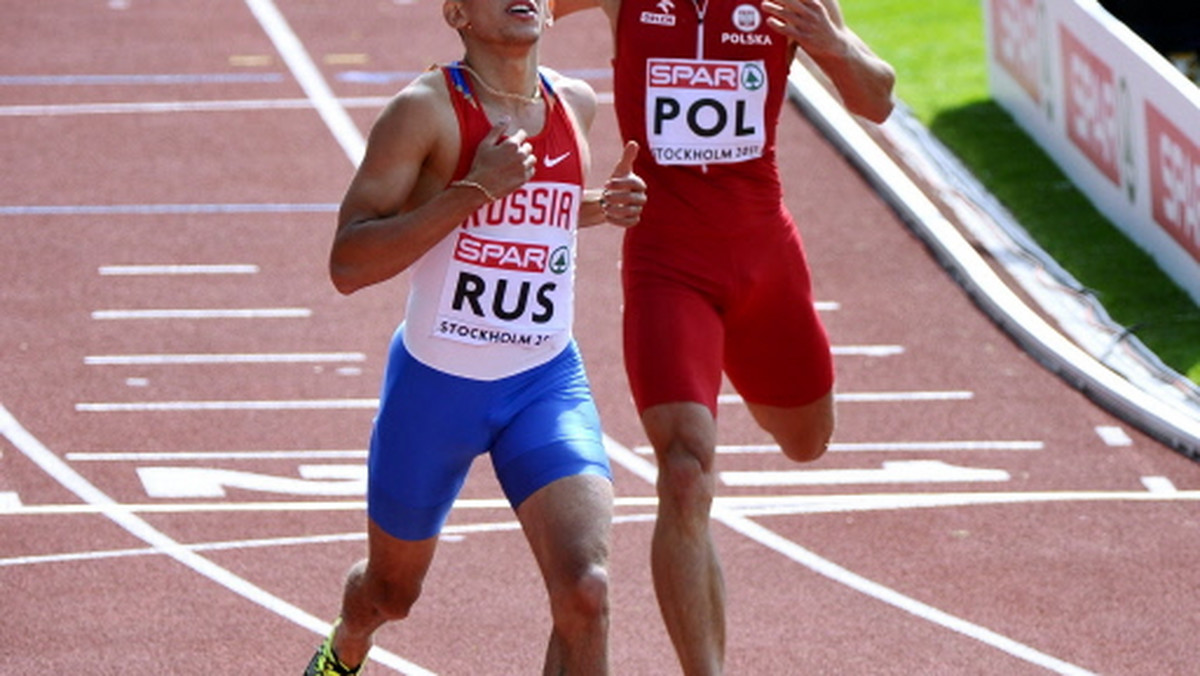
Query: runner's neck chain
[{"x": 537, "y": 92}]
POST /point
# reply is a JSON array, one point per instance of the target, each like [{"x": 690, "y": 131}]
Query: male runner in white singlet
[{"x": 473, "y": 177}]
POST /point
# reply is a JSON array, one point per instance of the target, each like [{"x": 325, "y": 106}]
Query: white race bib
[
  {"x": 705, "y": 112},
  {"x": 509, "y": 276}
]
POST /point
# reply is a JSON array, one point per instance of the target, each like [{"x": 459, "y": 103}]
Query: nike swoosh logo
[{"x": 551, "y": 162}]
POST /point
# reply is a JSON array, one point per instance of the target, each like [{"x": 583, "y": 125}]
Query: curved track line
[
  {"x": 772, "y": 540},
  {"x": 52, "y": 465}
]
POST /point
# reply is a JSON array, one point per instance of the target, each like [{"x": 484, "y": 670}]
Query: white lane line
[
  {"x": 163, "y": 209},
  {"x": 743, "y": 525},
  {"x": 870, "y": 397},
  {"x": 164, "y": 456},
  {"x": 136, "y": 526},
  {"x": 218, "y": 106},
  {"x": 452, "y": 532},
  {"x": 1113, "y": 435},
  {"x": 236, "y": 313},
  {"x": 119, "y": 79},
  {"x": 867, "y": 350},
  {"x": 276, "y": 405},
  {"x": 746, "y": 505},
  {"x": 1159, "y": 485},
  {"x": 236, "y": 358},
  {"x": 167, "y": 270},
  {"x": 954, "y": 395},
  {"x": 311, "y": 81},
  {"x": 267, "y": 506},
  {"x": 333, "y": 404},
  {"x": 206, "y": 547},
  {"x": 875, "y": 590},
  {"x": 896, "y": 472},
  {"x": 881, "y": 447}
]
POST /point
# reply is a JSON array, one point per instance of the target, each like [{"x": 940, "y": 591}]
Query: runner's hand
[
  {"x": 502, "y": 164},
  {"x": 624, "y": 192},
  {"x": 807, "y": 23}
]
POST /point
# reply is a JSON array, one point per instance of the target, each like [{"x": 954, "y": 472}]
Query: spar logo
[
  {"x": 513, "y": 256},
  {"x": 1090, "y": 90},
  {"x": 1174, "y": 180},
  {"x": 701, "y": 75},
  {"x": 694, "y": 75},
  {"x": 1015, "y": 36}
]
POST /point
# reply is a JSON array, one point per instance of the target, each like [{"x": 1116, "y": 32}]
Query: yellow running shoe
[{"x": 326, "y": 663}]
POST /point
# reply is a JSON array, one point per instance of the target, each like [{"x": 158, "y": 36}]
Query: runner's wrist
[{"x": 466, "y": 184}]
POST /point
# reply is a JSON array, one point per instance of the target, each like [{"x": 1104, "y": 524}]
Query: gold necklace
[{"x": 537, "y": 92}]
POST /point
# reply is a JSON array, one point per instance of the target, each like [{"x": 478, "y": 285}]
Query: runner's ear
[{"x": 455, "y": 15}]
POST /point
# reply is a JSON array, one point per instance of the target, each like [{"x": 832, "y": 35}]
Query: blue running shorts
[{"x": 539, "y": 426}]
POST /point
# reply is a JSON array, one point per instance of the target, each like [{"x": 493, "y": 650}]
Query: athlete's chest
[{"x": 728, "y": 29}]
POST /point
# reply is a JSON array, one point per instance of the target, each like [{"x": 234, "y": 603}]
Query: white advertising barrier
[{"x": 1114, "y": 114}]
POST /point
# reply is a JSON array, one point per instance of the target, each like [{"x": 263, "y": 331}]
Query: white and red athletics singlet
[{"x": 495, "y": 297}]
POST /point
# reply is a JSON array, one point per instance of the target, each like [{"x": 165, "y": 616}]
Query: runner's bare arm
[
  {"x": 620, "y": 201},
  {"x": 863, "y": 80},
  {"x": 398, "y": 204}
]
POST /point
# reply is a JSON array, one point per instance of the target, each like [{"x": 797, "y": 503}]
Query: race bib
[
  {"x": 705, "y": 112},
  {"x": 509, "y": 276}
]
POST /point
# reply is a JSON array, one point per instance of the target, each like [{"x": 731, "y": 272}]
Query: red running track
[{"x": 185, "y": 399}]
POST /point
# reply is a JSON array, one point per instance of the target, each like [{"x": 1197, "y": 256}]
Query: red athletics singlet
[
  {"x": 714, "y": 274},
  {"x": 495, "y": 297},
  {"x": 704, "y": 98}
]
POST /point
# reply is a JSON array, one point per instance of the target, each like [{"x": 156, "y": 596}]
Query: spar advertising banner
[{"x": 1115, "y": 115}]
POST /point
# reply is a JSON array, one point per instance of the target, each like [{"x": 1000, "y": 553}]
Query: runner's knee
[
  {"x": 802, "y": 433},
  {"x": 684, "y": 439},
  {"x": 808, "y": 445},
  {"x": 685, "y": 480},
  {"x": 583, "y": 601},
  {"x": 395, "y": 599}
]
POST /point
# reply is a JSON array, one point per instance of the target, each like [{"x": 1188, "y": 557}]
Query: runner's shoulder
[
  {"x": 575, "y": 92},
  {"x": 422, "y": 106}
]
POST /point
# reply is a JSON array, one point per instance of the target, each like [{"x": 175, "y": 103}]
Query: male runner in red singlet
[
  {"x": 715, "y": 276},
  {"x": 473, "y": 177}
]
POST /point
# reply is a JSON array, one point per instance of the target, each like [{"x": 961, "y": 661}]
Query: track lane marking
[
  {"x": 169, "y": 270},
  {"x": 367, "y": 403},
  {"x": 214, "y": 313},
  {"x": 743, "y": 525},
  {"x": 880, "y": 447},
  {"x": 747, "y": 505},
  {"x": 298, "y": 61},
  {"x": 57, "y": 469},
  {"x": 873, "y": 397},
  {"x": 163, "y": 209},
  {"x": 226, "y": 358}
]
